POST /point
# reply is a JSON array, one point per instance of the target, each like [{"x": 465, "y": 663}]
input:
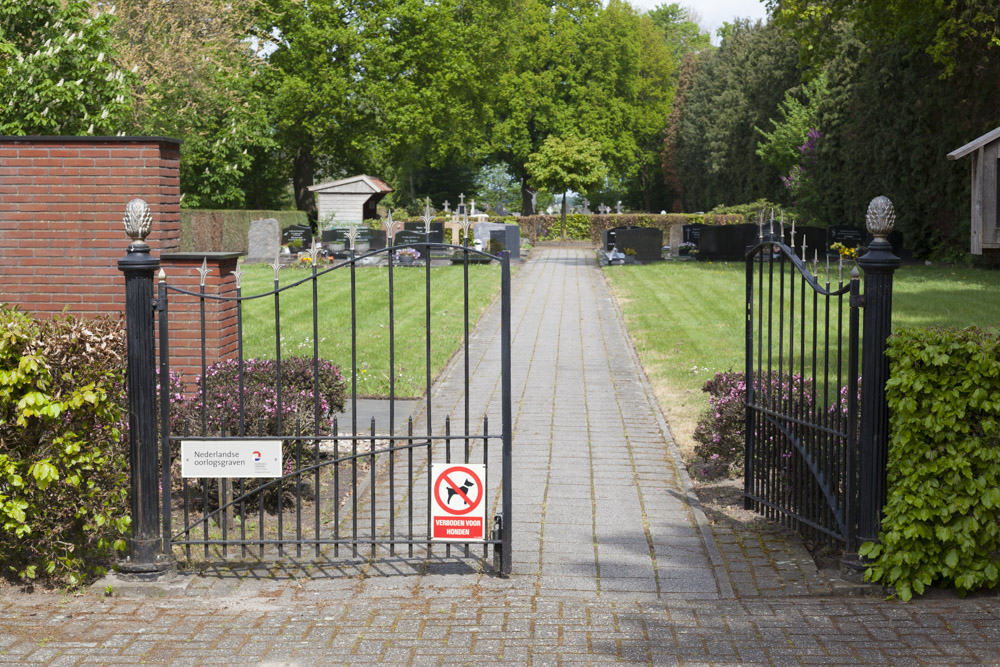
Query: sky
[{"x": 713, "y": 13}]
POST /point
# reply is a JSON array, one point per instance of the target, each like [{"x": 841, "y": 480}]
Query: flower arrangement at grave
[
  {"x": 688, "y": 248},
  {"x": 630, "y": 252},
  {"x": 845, "y": 252},
  {"x": 407, "y": 252}
]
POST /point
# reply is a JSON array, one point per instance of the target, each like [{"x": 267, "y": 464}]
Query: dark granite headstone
[
  {"x": 850, "y": 237},
  {"x": 297, "y": 233},
  {"x": 727, "y": 242},
  {"x": 436, "y": 235},
  {"x": 409, "y": 238},
  {"x": 692, "y": 233},
  {"x": 646, "y": 241}
]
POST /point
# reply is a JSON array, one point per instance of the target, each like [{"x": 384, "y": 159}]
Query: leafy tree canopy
[
  {"x": 196, "y": 74},
  {"x": 567, "y": 163},
  {"x": 59, "y": 70},
  {"x": 681, "y": 31},
  {"x": 942, "y": 28}
]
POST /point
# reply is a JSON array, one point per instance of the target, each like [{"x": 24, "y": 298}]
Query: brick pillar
[
  {"x": 61, "y": 206},
  {"x": 184, "y": 311}
]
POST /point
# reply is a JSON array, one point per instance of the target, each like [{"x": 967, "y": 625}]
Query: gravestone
[
  {"x": 409, "y": 238},
  {"x": 728, "y": 242},
  {"x": 436, "y": 235},
  {"x": 646, "y": 241},
  {"x": 336, "y": 235},
  {"x": 586, "y": 206},
  {"x": 692, "y": 233},
  {"x": 263, "y": 241},
  {"x": 507, "y": 236},
  {"x": 297, "y": 234},
  {"x": 849, "y": 237},
  {"x": 501, "y": 211}
]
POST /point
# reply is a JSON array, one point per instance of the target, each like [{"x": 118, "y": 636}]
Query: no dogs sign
[{"x": 458, "y": 503}]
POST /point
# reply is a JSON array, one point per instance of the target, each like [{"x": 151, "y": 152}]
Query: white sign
[
  {"x": 230, "y": 458},
  {"x": 458, "y": 502}
]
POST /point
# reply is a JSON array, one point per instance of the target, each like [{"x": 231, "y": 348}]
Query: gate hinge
[{"x": 857, "y": 301}]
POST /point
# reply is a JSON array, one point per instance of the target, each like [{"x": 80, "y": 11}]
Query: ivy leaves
[{"x": 940, "y": 521}]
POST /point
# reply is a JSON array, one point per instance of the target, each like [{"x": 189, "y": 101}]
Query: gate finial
[
  {"x": 881, "y": 218},
  {"x": 138, "y": 221}
]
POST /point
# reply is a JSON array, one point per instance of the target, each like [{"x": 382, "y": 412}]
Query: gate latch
[{"x": 497, "y": 534}]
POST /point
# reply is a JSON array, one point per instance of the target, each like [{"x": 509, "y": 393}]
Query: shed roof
[
  {"x": 974, "y": 144},
  {"x": 361, "y": 184}
]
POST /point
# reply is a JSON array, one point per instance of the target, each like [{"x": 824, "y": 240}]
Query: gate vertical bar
[
  {"x": 879, "y": 264},
  {"x": 508, "y": 524},
  {"x": 749, "y": 470},
  {"x": 161, "y": 309},
  {"x": 850, "y": 481},
  {"x": 146, "y": 558}
]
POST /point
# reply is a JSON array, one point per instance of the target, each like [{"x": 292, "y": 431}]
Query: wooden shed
[
  {"x": 350, "y": 199},
  {"x": 985, "y": 153}
]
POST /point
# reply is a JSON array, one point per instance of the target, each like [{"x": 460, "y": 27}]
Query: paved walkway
[{"x": 613, "y": 559}]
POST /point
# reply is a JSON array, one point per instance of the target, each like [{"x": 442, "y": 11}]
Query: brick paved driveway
[{"x": 613, "y": 559}]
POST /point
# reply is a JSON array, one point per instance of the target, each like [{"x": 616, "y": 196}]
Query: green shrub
[
  {"x": 63, "y": 473},
  {"x": 749, "y": 212},
  {"x": 943, "y": 497}
]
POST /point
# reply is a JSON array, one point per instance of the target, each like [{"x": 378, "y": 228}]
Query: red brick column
[
  {"x": 61, "y": 206},
  {"x": 184, "y": 311}
]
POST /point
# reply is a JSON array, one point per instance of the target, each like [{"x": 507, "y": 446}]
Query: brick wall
[
  {"x": 61, "y": 206},
  {"x": 61, "y": 233}
]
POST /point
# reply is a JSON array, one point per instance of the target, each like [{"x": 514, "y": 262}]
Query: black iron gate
[
  {"x": 816, "y": 435},
  {"x": 802, "y": 389},
  {"x": 346, "y": 489}
]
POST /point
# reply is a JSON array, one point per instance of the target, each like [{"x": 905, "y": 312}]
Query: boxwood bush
[{"x": 940, "y": 519}]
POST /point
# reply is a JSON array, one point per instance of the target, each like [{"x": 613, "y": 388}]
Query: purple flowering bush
[
  {"x": 260, "y": 398},
  {"x": 721, "y": 431}
]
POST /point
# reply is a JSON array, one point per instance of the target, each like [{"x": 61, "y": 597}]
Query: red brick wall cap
[{"x": 89, "y": 139}]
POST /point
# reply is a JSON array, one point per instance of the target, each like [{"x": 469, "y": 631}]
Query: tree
[
  {"x": 680, "y": 29},
  {"x": 59, "y": 70},
  {"x": 566, "y": 163},
  {"x": 780, "y": 148},
  {"x": 196, "y": 71},
  {"x": 314, "y": 88},
  {"x": 945, "y": 29},
  {"x": 732, "y": 90},
  {"x": 537, "y": 92}
]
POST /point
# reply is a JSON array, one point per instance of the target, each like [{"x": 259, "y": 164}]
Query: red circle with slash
[{"x": 444, "y": 477}]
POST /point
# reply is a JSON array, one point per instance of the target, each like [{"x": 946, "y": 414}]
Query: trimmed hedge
[
  {"x": 943, "y": 501},
  {"x": 226, "y": 230}
]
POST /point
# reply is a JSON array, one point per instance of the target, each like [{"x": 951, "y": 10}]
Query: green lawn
[
  {"x": 372, "y": 293},
  {"x": 687, "y": 319}
]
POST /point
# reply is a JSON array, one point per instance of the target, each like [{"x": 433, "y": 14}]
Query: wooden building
[
  {"x": 350, "y": 199},
  {"x": 985, "y": 152}
]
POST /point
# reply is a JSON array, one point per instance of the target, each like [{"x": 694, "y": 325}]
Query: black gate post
[
  {"x": 505, "y": 372},
  {"x": 879, "y": 264},
  {"x": 146, "y": 559}
]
